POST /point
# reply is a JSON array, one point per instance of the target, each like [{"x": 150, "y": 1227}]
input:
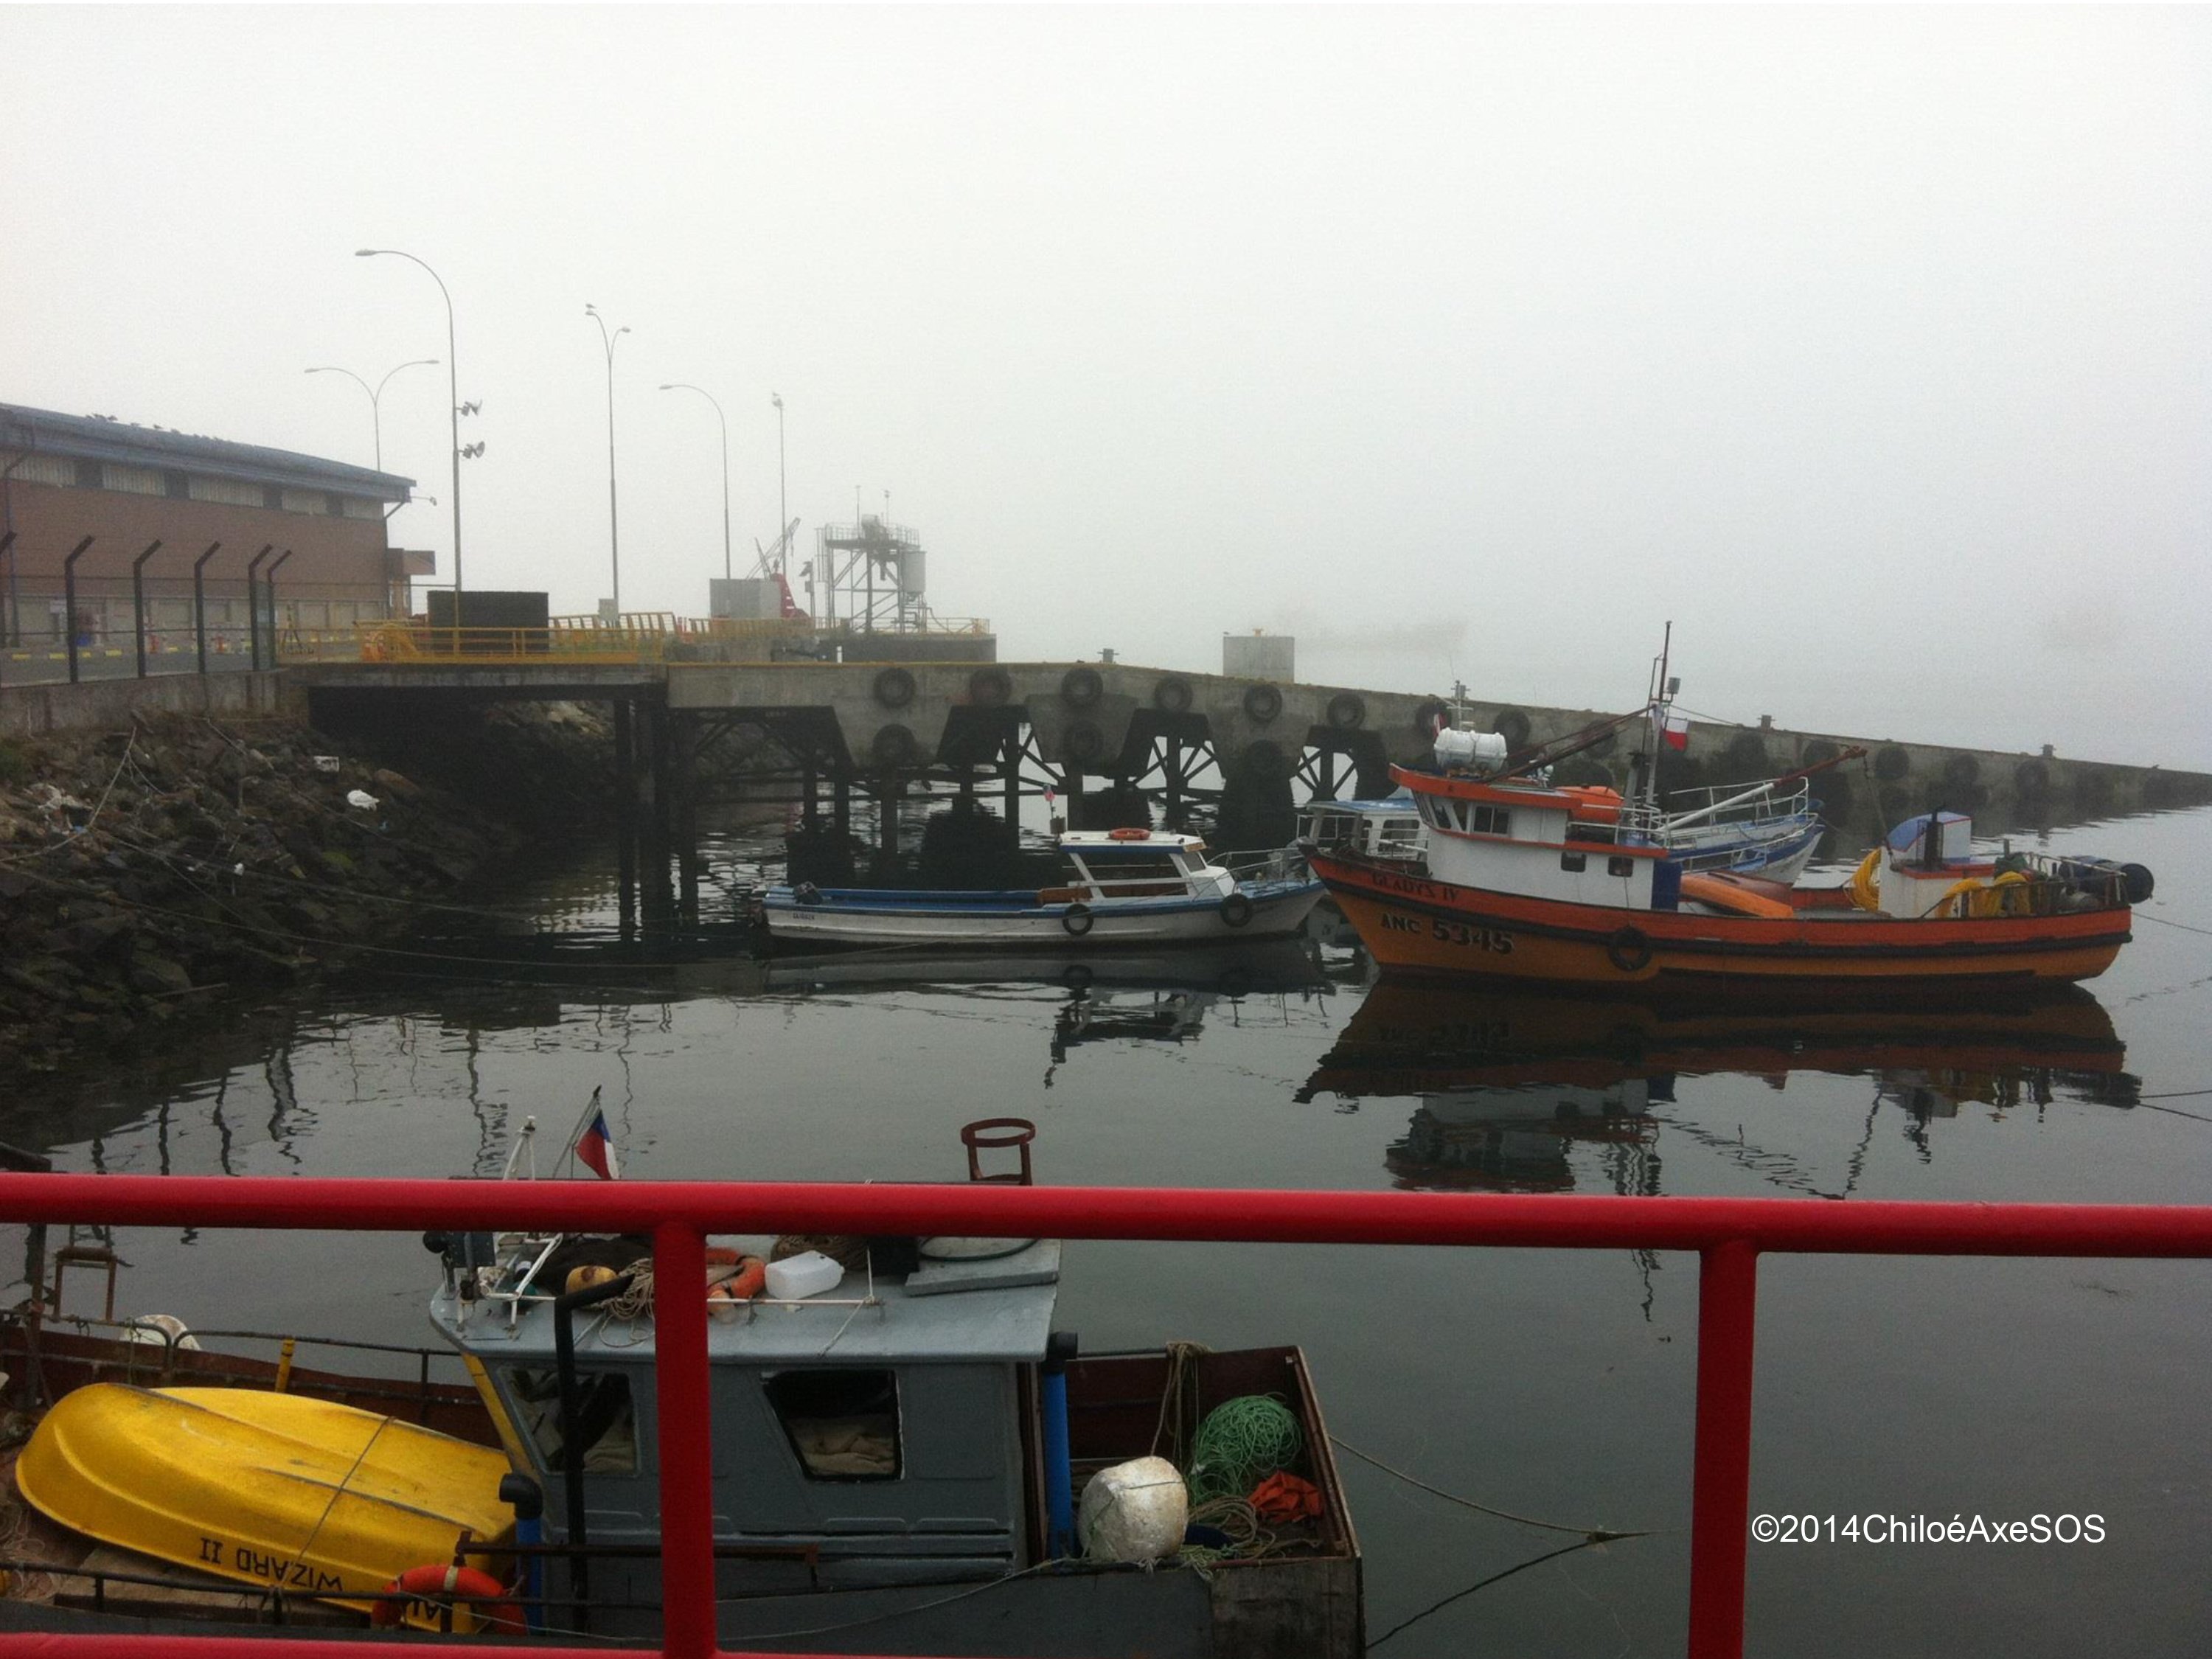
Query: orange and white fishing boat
[{"x": 1528, "y": 882}]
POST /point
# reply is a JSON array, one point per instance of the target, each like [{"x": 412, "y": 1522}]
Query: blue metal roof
[{"x": 95, "y": 438}]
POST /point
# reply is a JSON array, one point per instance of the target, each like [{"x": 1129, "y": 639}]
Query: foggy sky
[{"x": 1870, "y": 347}]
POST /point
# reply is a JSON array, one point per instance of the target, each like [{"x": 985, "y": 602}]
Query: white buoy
[{"x": 1136, "y": 1511}]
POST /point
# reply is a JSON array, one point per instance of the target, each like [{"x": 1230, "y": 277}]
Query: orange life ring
[
  {"x": 748, "y": 1282},
  {"x": 719, "y": 1255},
  {"x": 1128, "y": 833},
  {"x": 482, "y": 1595}
]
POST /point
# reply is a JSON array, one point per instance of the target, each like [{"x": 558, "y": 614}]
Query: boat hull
[
  {"x": 873, "y": 916},
  {"x": 279, "y": 1490},
  {"x": 1417, "y": 924}
]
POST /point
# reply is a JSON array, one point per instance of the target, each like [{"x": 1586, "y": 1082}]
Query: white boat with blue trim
[{"x": 1130, "y": 886}]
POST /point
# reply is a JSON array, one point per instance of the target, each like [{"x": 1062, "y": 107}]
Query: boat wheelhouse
[{"x": 1117, "y": 886}]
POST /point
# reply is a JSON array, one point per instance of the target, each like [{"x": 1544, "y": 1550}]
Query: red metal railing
[{"x": 1728, "y": 1235}]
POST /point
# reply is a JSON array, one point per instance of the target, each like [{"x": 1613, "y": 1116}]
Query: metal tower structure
[{"x": 871, "y": 576}]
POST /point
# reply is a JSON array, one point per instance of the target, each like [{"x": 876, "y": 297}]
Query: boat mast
[{"x": 1654, "y": 709}]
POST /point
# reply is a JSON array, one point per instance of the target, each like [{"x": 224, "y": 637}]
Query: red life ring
[
  {"x": 482, "y": 1594},
  {"x": 1128, "y": 833}
]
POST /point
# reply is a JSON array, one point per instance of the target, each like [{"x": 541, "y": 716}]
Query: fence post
[
  {"x": 687, "y": 1490},
  {"x": 13, "y": 634},
  {"x": 1720, "y": 1501},
  {"x": 199, "y": 601},
  {"x": 252, "y": 611},
  {"x": 69, "y": 602},
  {"x": 268, "y": 587},
  {"x": 138, "y": 600}
]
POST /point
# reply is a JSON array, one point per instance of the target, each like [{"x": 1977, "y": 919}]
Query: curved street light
[
  {"x": 685, "y": 385},
  {"x": 375, "y": 394},
  {"x": 452, "y": 400},
  {"x": 614, "y": 529}
]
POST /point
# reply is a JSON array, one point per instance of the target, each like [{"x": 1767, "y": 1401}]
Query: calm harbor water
[{"x": 1556, "y": 1385}]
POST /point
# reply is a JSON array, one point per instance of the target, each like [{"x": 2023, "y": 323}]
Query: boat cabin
[
  {"x": 1565, "y": 844},
  {"x": 870, "y": 1434},
  {"x": 1136, "y": 864},
  {"x": 1373, "y": 828}
]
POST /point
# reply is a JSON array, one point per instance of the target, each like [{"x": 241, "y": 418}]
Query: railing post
[
  {"x": 687, "y": 1491},
  {"x": 1720, "y": 1503},
  {"x": 199, "y": 601},
  {"x": 138, "y": 601},
  {"x": 69, "y": 602}
]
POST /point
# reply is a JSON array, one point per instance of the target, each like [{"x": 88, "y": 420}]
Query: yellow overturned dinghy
[{"x": 277, "y": 1490}]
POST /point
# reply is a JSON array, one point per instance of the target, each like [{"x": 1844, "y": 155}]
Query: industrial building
[{"x": 311, "y": 532}]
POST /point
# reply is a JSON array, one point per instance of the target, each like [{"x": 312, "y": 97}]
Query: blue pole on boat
[
  {"x": 1059, "y": 1474},
  {"x": 527, "y": 1499}
]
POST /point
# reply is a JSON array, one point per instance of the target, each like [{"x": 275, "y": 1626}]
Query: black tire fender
[
  {"x": 894, "y": 745},
  {"x": 1262, "y": 703},
  {"x": 1081, "y": 687},
  {"x": 1629, "y": 949},
  {"x": 1077, "y": 918},
  {"x": 1083, "y": 742},
  {"x": 1236, "y": 910},
  {"x": 894, "y": 687}
]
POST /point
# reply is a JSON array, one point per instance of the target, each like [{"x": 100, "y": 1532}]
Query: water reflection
[{"x": 1525, "y": 1092}]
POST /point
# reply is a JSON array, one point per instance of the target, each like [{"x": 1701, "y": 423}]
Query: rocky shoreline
[{"x": 145, "y": 874}]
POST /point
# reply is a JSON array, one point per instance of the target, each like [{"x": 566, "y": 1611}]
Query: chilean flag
[
  {"x": 595, "y": 1146},
  {"x": 1675, "y": 729}
]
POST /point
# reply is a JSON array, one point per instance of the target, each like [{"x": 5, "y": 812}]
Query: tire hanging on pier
[
  {"x": 894, "y": 687},
  {"x": 1083, "y": 742},
  {"x": 1629, "y": 951},
  {"x": 1081, "y": 687},
  {"x": 1262, "y": 703},
  {"x": 1172, "y": 696}
]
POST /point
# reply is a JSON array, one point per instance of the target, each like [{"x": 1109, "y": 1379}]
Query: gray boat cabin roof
[{"x": 997, "y": 1309}]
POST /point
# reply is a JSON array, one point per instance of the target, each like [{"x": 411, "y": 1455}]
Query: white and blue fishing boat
[
  {"x": 1769, "y": 830},
  {"x": 1128, "y": 887}
]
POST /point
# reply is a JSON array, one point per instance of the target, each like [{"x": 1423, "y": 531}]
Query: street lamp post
[
  {"x": 454, "y": 405},
  {"x": 614, "y": 522},
  {"x": 782, "y": 505},
  {"x": 376, "y": 395},
  {"x": 685, "y": 385}
]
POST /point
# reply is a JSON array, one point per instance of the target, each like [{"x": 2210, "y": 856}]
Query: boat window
[
  {"x": 1574, "y": 862},
  {"x": 606, "y": 1421},
  {"x": 843, "y": 1425},
  {"x": 1490, "y": 821},
  {"x": 1620, "y": 866},
  {"x": 1136, "y": 866}
]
